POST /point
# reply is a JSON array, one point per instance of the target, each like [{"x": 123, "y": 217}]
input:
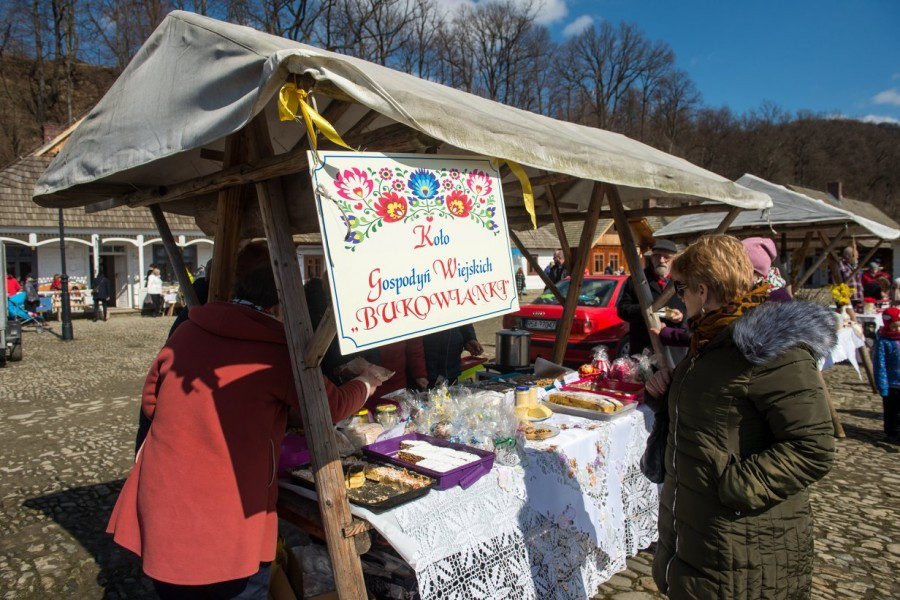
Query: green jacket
[{"x": 749, "y": 431}]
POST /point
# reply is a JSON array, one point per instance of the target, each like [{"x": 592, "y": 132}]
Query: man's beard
[{"x": 662, "y": 271}]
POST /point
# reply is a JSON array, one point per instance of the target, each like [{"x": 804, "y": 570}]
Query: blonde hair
[{"x": 718, "y": 261}]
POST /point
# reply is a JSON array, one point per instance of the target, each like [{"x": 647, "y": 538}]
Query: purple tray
[
  {"x": 463, "y": 476},
  {"x": 294, "y": 453}
]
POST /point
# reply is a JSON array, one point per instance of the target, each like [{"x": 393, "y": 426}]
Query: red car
[{"x": 596, "y": 322}]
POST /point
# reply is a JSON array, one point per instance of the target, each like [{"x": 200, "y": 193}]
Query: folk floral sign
[{"x": 414, "y": 244}]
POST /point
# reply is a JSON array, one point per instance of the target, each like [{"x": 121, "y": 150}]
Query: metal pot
[{"x": 513, "y": 348}]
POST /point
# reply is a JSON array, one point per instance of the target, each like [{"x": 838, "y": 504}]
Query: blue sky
[{"x": 828, "y": 56}]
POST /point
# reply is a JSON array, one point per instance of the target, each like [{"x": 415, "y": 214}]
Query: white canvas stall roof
[
  {"x": 789, "y": 210},
  {"x": 196, "y": 80}
]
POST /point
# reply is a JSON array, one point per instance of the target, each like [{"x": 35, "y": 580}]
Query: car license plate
[{"x": 541, "y": 324}]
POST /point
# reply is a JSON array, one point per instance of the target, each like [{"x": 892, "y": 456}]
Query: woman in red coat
[{"x": 199, "y": 504}]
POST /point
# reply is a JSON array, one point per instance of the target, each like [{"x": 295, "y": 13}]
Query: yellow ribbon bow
[
  {"x": 290, "y": 99},
  {"x": 527, "y": 193}
]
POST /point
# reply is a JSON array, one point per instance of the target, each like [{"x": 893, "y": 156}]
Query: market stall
[{"x": 203, "y": 97}]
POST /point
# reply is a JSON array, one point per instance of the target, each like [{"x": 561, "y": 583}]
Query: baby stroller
[{"x": 15, "y": 308}]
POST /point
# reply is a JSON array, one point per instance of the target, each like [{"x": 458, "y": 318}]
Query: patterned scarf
[
  {"x": 707, "y": 326},
  {"x": 774, "y": 279}
]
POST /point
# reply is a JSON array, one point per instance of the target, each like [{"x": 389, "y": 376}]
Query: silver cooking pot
[{"x": 513, "y": 348}]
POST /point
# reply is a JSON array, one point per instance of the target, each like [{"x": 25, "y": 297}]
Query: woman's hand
[
  {"x": 422, "y": 382},
  {"x": 674, "y": 315},
  {"x": 474, "y": 347},
  {"x": 658, "y": 384}
]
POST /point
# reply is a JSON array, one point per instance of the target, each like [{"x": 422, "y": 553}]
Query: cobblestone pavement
[{"x": 67, "y": 421}]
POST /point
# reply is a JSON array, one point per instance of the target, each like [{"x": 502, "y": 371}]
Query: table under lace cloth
[{"x": 556, "y": 526}]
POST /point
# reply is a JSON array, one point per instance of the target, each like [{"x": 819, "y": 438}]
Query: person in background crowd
[
  {"x": 608, "y": 270},
  {"x": 32, "y": 299},
  {"x": 872, "y": 273},
  {"x": 199, "y": 504},
  {"x": 629, "y": 309},
  {"x": 762, "y": 253},
  {"x": 749, "y": 431},
  {"x": 444, "y": 349},
  {"x": 154, "y": 290},
  {"x": 556, "y": 270},
  {"x": 56, "y": 284},
  {"x": 201, "y": 289},
  {"x": 101, "y": 294},
  {"x": 851, "y": 275},
  {"x": 520, "y": 281},
  {"x": 886, "y": 364},
  {"x": 895, "y": 292},
  {"x": 12, "y": 285}
]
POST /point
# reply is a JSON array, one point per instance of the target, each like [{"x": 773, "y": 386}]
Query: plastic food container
[
  {"x": 622, "y": 391},
  {"x": 463, "y": 476},
  {"x": 294, "y": 453},
  {"x": 386, "y": 415},
  {"x": 361, "y": 417}
]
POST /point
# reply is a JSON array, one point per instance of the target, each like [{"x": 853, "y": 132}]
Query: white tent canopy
[
  {"x": 197, "y": 80},
  {"x": 790, "y": 210}
]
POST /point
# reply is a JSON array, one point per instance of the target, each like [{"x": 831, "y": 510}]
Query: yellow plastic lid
[
  {"x": 386, "y": 408},
  {"x": 363, "y": 413}
]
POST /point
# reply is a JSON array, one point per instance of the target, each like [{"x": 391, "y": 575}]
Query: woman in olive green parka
[{"x": 749, "y": 431}]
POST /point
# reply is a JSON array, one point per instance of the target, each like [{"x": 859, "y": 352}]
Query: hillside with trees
[{"x": 59, "y": 56}]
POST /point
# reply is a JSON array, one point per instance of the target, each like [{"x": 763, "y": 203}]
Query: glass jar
[
  {"x": 386, "y": 415},
  {"x": 360, "y": 417}
]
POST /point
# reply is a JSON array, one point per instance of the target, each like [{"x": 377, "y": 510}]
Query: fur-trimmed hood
[{"x": 772, "y": 328}]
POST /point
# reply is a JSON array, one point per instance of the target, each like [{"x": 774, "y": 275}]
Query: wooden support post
[
  {"x": 729, "y": 219},
  {"x": 833, "y": 261},
  {"x": 560, "y": 231},
  {"x": 860, "y": 264},
  {"x": 575, "y": 278},
  {"x": 228, "y": 225},
  {"x": 834, "y": 242},
  {"x": 190, "y": 296},
  {"x": 799, "y": 257},
  {"x": 638, "y": 278},
  {"x": 862, "y": 354},
  {"x": 537, "y": 268},
  {"x": 314, "y": 409}
]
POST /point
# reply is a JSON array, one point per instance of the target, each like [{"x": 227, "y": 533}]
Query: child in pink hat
[{"x": 762, "y": 253}]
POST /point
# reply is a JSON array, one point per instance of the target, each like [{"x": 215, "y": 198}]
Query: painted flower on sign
[
  {"x": 459, "y": 204},
  {"x": 423, "y": 184},
  {"x": 372, "y": 197},
  {"x": 479, "y": 183},
  {"x": 391, "y": 207},
  {"x": 353, "y": 184}
]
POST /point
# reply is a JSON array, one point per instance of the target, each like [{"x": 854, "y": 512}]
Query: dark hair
[
  {"x": 257, "y": 286},
  {"x": 316, "y": 300}
]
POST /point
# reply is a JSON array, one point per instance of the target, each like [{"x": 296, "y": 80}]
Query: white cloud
[
  {"x": 578, "y": 25},
  {"x": 546, "y": 11},
  {"x": 880, "y": 119},
  {"x": 887, "y": 97},
  {"x": 895, "y": 76}
]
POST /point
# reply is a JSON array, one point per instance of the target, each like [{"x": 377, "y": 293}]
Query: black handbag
[{"x": 653, "y": 460}]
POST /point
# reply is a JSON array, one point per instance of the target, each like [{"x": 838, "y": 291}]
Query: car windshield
[{"x": 594, "y": 292}]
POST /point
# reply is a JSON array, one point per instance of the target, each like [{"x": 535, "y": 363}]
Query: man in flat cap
[{"x": 657, "y": 274}]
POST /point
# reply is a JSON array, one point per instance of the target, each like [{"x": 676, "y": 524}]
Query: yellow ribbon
[
  {"x": 290, "y": 99},
  {"x": 527, "y": 194}
]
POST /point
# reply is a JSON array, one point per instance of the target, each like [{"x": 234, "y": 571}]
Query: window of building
[
  {"x": 531, "y": 270},
  {"x": 614, "y": 262},
  {"x": 598, "y": 262},
  {"x": 313, "y": 266},
  {"x": 20, "y": 261}
]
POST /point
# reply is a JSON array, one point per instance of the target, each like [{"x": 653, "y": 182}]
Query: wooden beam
[
  {"x": 537, "y": 268},
  {"x": 304, "y": 513},
  {"x": 228, "y": 225},
  {"x": 833, "y": 261},
  {"x": 395, "y": 137},
  {"x": 333, "y": 506},
  {"x": 576, "y": 274},
  {"x": 321, "y": 339},
  {"x": 799, "y": 257},
  {"x": 729, "y": 219},
  {"x": 657, "y": 211},
  {"x": 184, "y": 282},
  {"x": 638, "y": 277},
  {"x": 560, "y": 232},
  {"x": 834, "y": 242},
  {"x": 540, "y": 180}
]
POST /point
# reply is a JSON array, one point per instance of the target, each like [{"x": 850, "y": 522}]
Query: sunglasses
[{"x": 679, "y": 288}]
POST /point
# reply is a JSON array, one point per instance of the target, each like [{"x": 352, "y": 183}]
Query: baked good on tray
[
  {"x": 394, "y": 476},
  {"x": 586, "y": 401},
  {"x": 537, "y": 432},
  {"x": 434, "y": 458}
]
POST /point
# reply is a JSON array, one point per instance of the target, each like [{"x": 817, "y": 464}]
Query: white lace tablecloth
[{"x": 557, "y": 526}]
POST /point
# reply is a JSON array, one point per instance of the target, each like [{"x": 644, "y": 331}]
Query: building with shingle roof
[{"x": 120, "y": 242}]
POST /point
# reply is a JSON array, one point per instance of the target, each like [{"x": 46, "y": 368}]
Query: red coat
[
  {"x": 407, "y": 360},
  {"x": 199, "y": 504}
]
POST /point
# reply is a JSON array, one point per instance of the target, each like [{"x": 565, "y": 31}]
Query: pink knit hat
[{"x": 762, "y": 252}]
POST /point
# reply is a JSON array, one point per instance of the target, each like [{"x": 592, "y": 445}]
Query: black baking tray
[{"x": 355, "y": 496}]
